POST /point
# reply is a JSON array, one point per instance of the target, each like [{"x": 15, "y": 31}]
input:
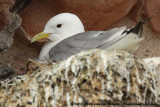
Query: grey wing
[{"x": 84, "y": 41}]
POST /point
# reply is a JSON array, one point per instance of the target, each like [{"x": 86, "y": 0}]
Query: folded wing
[{"x": 84, "y": 41}]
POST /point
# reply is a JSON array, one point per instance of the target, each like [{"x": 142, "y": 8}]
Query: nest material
[{"x": 96, "y": 77}]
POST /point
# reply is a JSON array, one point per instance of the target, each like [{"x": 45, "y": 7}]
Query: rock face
[
  {"x": 9, "y": 23},
  {"x": 90, "y": 77},
  {"x": 6, "y": 34},
  {"x": 152, "y": 7}
]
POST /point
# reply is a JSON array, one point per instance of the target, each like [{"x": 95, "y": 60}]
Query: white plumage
[{"x": 67, "y": 36}]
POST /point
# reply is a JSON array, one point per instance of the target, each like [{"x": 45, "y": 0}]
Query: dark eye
[{"x": 59, "y": 25}]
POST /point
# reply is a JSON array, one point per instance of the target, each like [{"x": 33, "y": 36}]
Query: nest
[{"x": 94, "y": 77}]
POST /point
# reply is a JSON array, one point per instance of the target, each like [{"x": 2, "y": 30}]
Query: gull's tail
[{"x": 139, "y": 27}]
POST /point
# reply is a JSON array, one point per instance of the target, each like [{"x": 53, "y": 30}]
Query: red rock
[
  {"x": 152, "y": 7},
  {"x": 95, "y": 14},
  {"x": 135, "y": 12},
  {"x": 36, "y": 15}
]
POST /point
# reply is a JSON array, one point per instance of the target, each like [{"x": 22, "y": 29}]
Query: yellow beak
[{"x": 40, "y": 36}]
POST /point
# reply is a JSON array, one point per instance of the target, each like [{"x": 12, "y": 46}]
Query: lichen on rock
[
  {"x": 9, "y": 23},
  {"x": 6, "y": 34},
  {"x": 90, "y": 77}
]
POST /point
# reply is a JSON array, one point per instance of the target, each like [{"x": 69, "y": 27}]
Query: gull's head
[{"x": 60, "y": 26}]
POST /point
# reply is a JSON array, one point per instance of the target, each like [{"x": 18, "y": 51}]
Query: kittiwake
[{"x": 67, "y": 36}]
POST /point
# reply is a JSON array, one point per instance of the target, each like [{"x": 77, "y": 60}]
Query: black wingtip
[{"x": 139, "y": 27}]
